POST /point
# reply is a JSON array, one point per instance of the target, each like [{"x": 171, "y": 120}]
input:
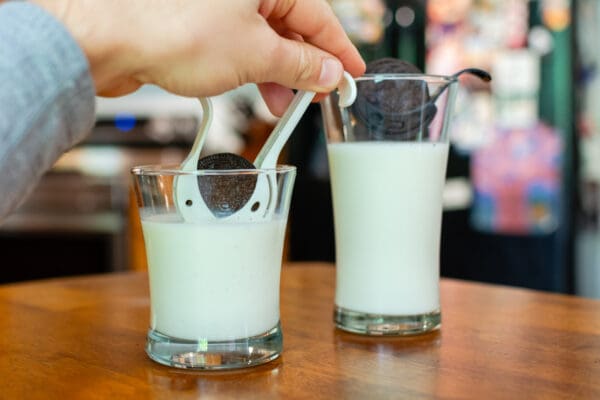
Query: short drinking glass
[{"x": 214, "y": 272}]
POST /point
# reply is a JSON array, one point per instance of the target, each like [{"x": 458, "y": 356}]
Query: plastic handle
[{"x": 268, "y": 155}]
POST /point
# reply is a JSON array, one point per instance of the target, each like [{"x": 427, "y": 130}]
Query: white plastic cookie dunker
[{"x": 187, "y": 196}]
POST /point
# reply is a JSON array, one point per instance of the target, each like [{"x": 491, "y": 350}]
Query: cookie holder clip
[{"x": 187, "y": 196}]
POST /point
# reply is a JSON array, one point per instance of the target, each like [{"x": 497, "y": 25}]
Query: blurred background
[{"x": 523, "y": 191}]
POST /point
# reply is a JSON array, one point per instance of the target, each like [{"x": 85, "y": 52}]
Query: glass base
[
  {"x": 388, "y": 325},
  {"x": 215, "y": 355}
]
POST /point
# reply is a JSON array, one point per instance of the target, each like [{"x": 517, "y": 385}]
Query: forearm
[{"x": 46, "y": 98}]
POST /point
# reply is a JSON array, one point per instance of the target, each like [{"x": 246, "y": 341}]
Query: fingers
[
  {"x": 276, "y": 97},
  {"x": 311, "y": 43},
  {"x": 300, "y": 65},
  {"x": 318, "y": 25},
  {"x": 117, "y": 89}
]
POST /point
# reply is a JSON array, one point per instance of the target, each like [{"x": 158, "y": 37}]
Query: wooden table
[{"x": 84, "y": 338}]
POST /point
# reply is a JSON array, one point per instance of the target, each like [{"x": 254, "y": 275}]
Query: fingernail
[{"x": 331, "y": 73}]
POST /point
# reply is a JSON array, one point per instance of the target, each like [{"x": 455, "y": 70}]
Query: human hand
[{"x": 202, "y": 48}]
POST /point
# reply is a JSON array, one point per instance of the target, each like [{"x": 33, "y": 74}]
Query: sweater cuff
[{"x": 53, "y": 64}]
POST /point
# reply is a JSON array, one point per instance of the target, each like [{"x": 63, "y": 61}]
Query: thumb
[{"x": 300, "y": 65}]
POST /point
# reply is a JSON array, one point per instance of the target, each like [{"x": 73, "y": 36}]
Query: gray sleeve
[{"x": 46, "y": 98}]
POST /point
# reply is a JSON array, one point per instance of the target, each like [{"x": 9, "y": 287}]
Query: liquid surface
[{"x": 387, "y": 199}]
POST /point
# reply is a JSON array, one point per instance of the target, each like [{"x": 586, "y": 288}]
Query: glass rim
[
  {"x": 175, "y": 170},
  {"x": 429, "y": 78}
]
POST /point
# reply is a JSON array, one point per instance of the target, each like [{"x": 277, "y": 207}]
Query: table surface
[{"x": 84, "y": 338}]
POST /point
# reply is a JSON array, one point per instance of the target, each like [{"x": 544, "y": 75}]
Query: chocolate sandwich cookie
[
  {"x": 390, "y": 65},
  {"x": 393, "y": 108},
  {"x": 223, "y": 194}
]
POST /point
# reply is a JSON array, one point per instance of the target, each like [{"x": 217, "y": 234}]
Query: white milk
[
  {"x": 387, "y": 199},
  {"x": 213, "y": 281}
]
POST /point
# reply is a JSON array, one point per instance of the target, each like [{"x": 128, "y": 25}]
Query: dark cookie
[
  {"x": 392, "y": 66},
  {"x": 394, "y": 109},
  {"x": 225, "y": 194}
]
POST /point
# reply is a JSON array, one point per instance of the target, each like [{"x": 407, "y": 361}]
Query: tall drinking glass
[
  {"x": 387, "y": 157},
  {"x": 214, "y": 272}
]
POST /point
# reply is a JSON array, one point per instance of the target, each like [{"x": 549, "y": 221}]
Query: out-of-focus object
[
  {"x": 380, "y": 28},
  {"x": 154, "y": 116},
  {"x": 469, "y": 33},
  {"x": 517, "y": 174},
  {"x": 517, "y": 181},
  {"x": 587, "y": 277},
  {"x": 515, "y": 88},
  {"x": 448, "y": 12},
  {"x": 556, "y": 14},
  {"x": 363, "y": 20}
]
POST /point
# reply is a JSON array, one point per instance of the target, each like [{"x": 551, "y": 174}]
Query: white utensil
[{"x": 188, "y": 197}]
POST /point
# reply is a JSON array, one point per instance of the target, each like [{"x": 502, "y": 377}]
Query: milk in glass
[
  {"x": 388, "y": 207},
  {"x": 214, "y": 280}
]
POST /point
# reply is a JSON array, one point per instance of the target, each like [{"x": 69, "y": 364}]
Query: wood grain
[{"x": 83, "y": 338}]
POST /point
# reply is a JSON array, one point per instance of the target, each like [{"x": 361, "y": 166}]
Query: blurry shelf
[{"x": 103, "y": 223}]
